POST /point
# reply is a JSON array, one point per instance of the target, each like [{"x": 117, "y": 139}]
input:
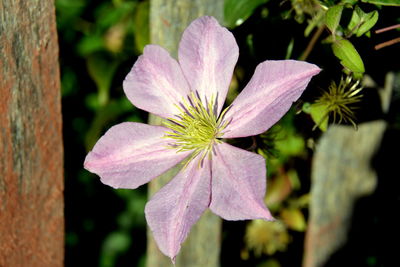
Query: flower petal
[
  {"x": 156, "y": 82},
  {"x": 178, "y": 205},
  {"x": 131, "y": 154},
  {"x": 238, "y": 184},
  {"x": 271, "y": 91},
  {"x": 208, "y": 54}
]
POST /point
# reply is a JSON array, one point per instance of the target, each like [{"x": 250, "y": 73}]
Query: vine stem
[
  {"x": 312, "y": 43},
  {"x": 390, "y": 42},
  {"x": 387, "y": 43},
  {"x": 388, "y": 28}
]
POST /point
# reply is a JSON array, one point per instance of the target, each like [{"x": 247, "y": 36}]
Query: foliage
[{"x": 236, "y": 12}]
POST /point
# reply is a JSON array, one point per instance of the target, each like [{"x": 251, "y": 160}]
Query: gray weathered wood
[
  {"x": 341, "y": 173},
  {"x": 168, "y": 19},
  {"x": 31, "y": 152}
]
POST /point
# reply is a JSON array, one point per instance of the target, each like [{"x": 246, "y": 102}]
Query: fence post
[
  {"x": 31, "y": 152},
  {"x": 168, "y": 19},
  {"x": 341, "y": 174}
]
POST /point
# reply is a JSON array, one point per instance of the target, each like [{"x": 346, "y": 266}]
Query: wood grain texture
[
  {"x": 168, "y": 19},
  {"x": 31, "y": 161},
  {"x": 341, "y": 174}
]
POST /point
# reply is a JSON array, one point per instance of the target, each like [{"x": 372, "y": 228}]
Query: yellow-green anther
[{"x": 197, "y": 127}]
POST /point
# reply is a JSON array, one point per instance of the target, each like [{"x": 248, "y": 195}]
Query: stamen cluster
[
  {"x": 197, "y": 127},
  {"x": 340, "y": 99}
]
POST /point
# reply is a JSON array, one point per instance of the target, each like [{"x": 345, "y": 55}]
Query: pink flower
[{"x": 190, "y": 93}]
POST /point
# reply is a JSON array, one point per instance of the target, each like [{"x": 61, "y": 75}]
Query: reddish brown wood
[{"x": 31, "y": 153}]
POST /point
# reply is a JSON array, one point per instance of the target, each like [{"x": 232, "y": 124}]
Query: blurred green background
[{"x": 100, "y": 41}]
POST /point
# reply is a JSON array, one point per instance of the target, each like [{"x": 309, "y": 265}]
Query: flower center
[{"x": 197, "y": 127}]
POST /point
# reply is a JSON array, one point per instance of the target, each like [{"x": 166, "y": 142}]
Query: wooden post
[
  {"x": 31, "y": 153},
  {"x": 341, "y": 174},
  {"x": 168, "y": 19}
]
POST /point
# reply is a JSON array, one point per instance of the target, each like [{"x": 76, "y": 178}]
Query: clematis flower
[{"x": 189, "y": 94}]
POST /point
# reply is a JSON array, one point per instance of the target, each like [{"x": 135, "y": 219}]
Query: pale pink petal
[
  {"x": 207, "y": 55},
  {"x": 238, "y": 184},
  {"x": 131, "y": 154},
  {"x": 156, "y": 82},
  {"x": 270, "y": 93},
  {"x": 173, "y": 210}
]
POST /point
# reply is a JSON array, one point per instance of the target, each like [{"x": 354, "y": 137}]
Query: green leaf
[
  {"x": 362, "y": 22},
  {"x": 141, "y": 26},
  {"x": 289, "y": 144},
  {"x": 115, "y": 244},
  {"x": 68, "y": 11},
  {"x": 90, "y": 44},
  {"x": 102, "y": 72},
  {"x": 355, "y": 19},
  {"x": 117, "y": 241},
  {"x": 306, "y": 108},
  {"x": 329, "y": 39},
  {"x": 349, "y": 2},
  {"x": 383, "y": 2},
  {"x": 294, "y": 179},
  {"x": 294, "y": 219},
  {"x": 314, "y": 22},
  {"x": 289, "y": 49},
  {"x": 369, "y": 22},
  {"x": 69, "y": 82},
  {"x": 236, "y": 12},
  {"x": 270, "y": 263},
  {"x": 108, "y": 14},
  {"x": 349, "y": 57},
  {"x": 319, "y": 114},
  {"x": 332, "y": 17}
]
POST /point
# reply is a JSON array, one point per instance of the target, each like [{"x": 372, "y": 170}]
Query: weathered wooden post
[
  {"x": 168, "y": 19},
  {"x": 341, "y": 174},
  {"x": 31, "y": 152}
]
